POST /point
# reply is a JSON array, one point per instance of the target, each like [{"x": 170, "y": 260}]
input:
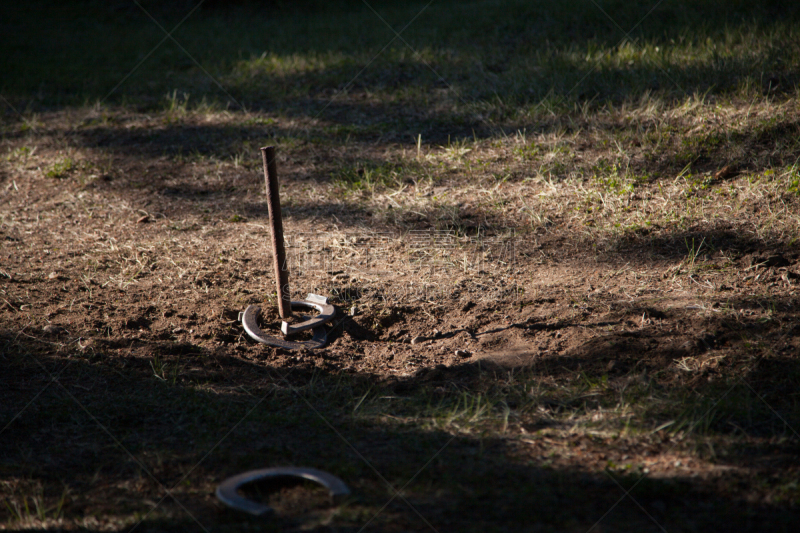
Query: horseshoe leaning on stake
[{"x": 314, "y": 301}]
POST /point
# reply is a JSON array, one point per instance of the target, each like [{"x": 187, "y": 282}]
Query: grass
[
  {"x": 506, "y": 172},
  {"x": 398, "y": 430},
  {"x": 60, "y": 169},
  {"x": 499, "y": 60}
]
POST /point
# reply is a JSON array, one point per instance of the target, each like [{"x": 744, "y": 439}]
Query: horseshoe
[
  {"x": 313, "y": 301},
  {"x": 228, "y": 490},
  {"x": 250, "y": 323}
]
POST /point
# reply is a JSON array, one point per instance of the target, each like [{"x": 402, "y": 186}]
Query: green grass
[
  {"x": 61, "y": 168},
  {"x": 496, "y": 61}
]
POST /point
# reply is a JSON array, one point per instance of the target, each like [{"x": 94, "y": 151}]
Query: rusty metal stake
[
  {"x": 249, "y": 317},
  {"x": 276, "y": 225}
]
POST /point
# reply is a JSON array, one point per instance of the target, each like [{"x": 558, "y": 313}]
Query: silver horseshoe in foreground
[{"x": 228, "y": 490}]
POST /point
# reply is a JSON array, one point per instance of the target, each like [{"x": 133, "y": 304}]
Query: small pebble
[
  {"x": 417, "y": 340},
  {"x": 53, "y": 275},
  {"x": 177, "y": 330},
  {"x": 51, "y": 329},
  {"x": 85, "y": 344},
  {"x": 143, "y": 220},
  {"x": 462, "y": 353}
]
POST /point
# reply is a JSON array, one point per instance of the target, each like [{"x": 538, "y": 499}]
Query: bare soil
[{"x": 130, "y": 267}]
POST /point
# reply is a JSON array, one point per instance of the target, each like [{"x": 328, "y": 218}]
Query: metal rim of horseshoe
[
  {"x": 228, "y": 491},
  {"x": 249, "y": 317}
]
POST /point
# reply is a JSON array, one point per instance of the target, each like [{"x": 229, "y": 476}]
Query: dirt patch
[{"x": 665, "y": 351}]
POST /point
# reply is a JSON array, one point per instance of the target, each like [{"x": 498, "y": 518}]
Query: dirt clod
[{"x": 52, "y": 329}]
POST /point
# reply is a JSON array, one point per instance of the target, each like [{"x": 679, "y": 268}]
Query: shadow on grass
[
  {"x": 666, "y": 156},
  {"x": 149, "y": 159},
  {"x": 115, "y": 427},
  {"x": 728, "y": 367},
  {"x": 463, "y": 60},
  {"x": 707, "y": 248}
]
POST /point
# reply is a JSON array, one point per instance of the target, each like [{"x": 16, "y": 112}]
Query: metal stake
[{"x": 276, "y": 225}]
